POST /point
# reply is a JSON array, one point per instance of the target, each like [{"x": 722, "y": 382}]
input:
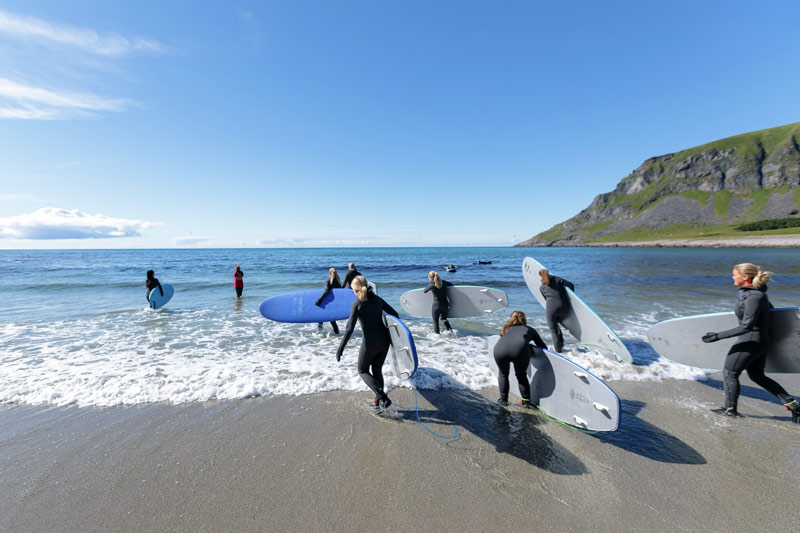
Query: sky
[{"x": 302, "y": 123}]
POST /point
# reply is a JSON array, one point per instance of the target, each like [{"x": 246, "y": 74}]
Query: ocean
[{"x": 75, "y": 328}]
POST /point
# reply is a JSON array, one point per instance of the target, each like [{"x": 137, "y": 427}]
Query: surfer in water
[
  {"x": 555, "y": 294},
  {"x": 238, "y": 281},
  {"x": 750, "y": 351},
  {"x": 351, "y": 273},
  {"x": 368, "y": 311},
  {"x": 151, "y": 283},
  {"x": 515, "y": 347},
  {"x": 332, "y": 283},
  {"x": 441, "y": 305}
]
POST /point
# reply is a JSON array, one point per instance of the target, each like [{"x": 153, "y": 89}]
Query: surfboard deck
[
  {"x": 156, "y": 300},
  {"x": 403, "y": 355},
  {"x": 566, "y": 391},
  {"x": 680, "y": 340},
  {"x": 300, "y": 306},
  {"x": 581, "y": 321},
  {"x": 465, "y": 301}
]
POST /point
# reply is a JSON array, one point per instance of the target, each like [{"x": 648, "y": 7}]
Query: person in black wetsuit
[
  {"x": 151, "y": 283},
  {"x": 368, "y": 311},
  {"x": 750, "y": 351},
  {"x": 351, "y": 273},
  {"x": 441, "y": 305},
  {"x": 515, "y": 347},
  {"x": 332, "y": 283},
  {"x": 555, "y": 295}
]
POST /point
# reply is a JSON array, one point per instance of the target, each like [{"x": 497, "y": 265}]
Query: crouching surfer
[
  {"x": 368, "y": 311},
  {"x": 750, "y": 351},
  {"x": 514, "y": 348}
]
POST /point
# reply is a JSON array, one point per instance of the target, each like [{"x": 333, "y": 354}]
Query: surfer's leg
[
  {"x": 555, "y": 332},
  {"x": 521, "y": 363},
  {"x": 738, "y": 358},
  {"x": 443, "y": 314},
  {"x": 503, "y": 366},
  {"x": 335, "y": 327},
  {"x": 239, "y": 292},
  {"x": 755, "y": 371},
  {"x": 366, "y": 362},
  {"x": 436, "y": 312}
]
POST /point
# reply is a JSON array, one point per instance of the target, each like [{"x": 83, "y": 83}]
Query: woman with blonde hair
[
  {"x": 441, "y": 305},
  {"x": 514, "y": 347},
  {"x": 368, "y": 311},
  {"x": 750, "y": 351},
  {"x": 555, "y": 295},
  {"x": 332, "y": 283}
]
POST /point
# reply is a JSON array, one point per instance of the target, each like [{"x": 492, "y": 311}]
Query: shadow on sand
[{"x": 757, "y": 393}]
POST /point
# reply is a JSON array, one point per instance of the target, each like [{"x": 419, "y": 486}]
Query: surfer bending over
[
  {"x": 332, "y": 283},
  {"x": 151, "y": 283},
  {"x": 440, "y": 302},
  {"x": 368, "y": 310},
  {"x": 750, "y": 351},
  {"x": 552, "y": 288},
  {"x": 351, "y": 273},
  {"x": 515, "y": 347},
  {"x": 238, "y": 281}
]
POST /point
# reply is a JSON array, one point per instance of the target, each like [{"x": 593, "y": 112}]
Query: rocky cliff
[{"x": 749, "y": 177}]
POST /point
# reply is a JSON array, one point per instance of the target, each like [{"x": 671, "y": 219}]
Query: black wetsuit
[
  {"x": 375, "y": 343},
  {"x": 348, "y": 278},
  {"x": 151, "y": 284},
  {"x": 557, "y": 307},
  {"x": 750, "y": 351},
  {"x": 514, "y": 347},
  {"x": 441, "y": 305},
  {"x": 328, "y": 286}
]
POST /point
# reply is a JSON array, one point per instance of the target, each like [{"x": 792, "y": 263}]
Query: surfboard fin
[
  {"x": 600, "y": 407},
  {"x": 582, "y": 375},
  {"x": 580, "y": 422}
]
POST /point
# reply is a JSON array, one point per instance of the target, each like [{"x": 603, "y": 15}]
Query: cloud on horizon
[{"x": 51, "y": 223}]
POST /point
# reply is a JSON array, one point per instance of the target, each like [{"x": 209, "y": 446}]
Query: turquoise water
[{"x": 75, "y": 328}]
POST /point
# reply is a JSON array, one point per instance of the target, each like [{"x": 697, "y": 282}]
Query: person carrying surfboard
[
  {"x": 514, "y": 347},
  {"x": 555, "y": 295},
  {"x": 441, "y": 305},
  {"x": 368, "y": 310},
  {"x": 238, "y": 281},
  {"x": 750, "y": 351},
  {"x": 351, "y": 273},
  {"x": 332, "y": 283},
  {"x": 151, "y": 283}
]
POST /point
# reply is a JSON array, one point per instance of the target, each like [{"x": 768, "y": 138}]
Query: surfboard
[
  {"x": 403, "y": 356},
  {"x": 680, "y": 340},
  {"x": 581, "y": 321},
  {"x": 465, "y": 301},
  {"x": 566, "y": 391},
  {"x": 300, "y": 306},
  {"x": 156, "y": 300}
]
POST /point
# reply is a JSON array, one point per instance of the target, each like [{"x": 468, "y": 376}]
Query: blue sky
[{"x": 376, "y": 123}]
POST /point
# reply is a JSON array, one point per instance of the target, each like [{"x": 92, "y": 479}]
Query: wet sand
[{"x": 325, "y": 463}]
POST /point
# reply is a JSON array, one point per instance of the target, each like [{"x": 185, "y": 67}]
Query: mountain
[{"x": 704, "y": 191}]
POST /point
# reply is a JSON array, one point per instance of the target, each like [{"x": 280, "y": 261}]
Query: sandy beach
[{"x": 323, "y": 462}]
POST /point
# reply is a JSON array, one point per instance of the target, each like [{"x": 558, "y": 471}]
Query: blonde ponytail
[
  {"x": 758, "y": 277},
  {"x": 434, "y": 277},
  {"x": 359, "y": 283}
]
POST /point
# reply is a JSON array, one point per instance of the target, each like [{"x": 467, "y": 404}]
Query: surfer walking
[
  {"x": 351, "y": 274},
  {"x": 514, "y": 347},
  {"x": 151, "y": 283},
  {"x": 750, "y": 351},
  {"x": 238, "y": 281},
  {"x": 441, "y": 305},
  {"x": 331, "y": 283},
  {"x": 368, "y": 310},
  {"x": 555, "y": 294}
]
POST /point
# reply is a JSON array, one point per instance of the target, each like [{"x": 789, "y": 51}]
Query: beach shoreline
[{"x": 324, "y": 462}]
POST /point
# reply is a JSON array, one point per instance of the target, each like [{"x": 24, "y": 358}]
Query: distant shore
[{"x": 755, "y": 241}]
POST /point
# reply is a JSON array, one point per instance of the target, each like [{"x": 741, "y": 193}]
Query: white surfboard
[
  {"x": 465, "y": 301},
  {"x": 403, "y": 354},
  {"x": 583, "y": 323},
  {"x": 680, "y": 340},
  {"x": 566, "y": 391}
]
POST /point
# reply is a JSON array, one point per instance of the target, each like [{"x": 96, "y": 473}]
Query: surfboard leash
[{"x": 421, "y": 423}]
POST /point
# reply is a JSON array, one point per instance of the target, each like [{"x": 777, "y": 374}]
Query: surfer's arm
[
  {"x": 748, "y": 322},
  {"x": 348, "y": 331},
  {"x": 389, "y": 309},
  {"x": 537, "y": 339},
  {"x": 159, "y": 288},
  {"x": 429, "y": 287},
  {"x": 568, "y": 284},
  {"x": 324, "y": 294}
]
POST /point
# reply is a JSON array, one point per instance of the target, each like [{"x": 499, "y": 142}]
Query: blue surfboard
[
  {"x": 299, "y": 307},
  {"x": 156, "y": 300},
  {"x": 403, "y": 357}
]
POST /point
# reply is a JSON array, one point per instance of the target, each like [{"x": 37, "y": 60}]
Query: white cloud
[
  {"x": 54, "y": 223},
  {"x": 200, "y": 242},
  {"x": 25, "y": 102},
  {"x": 88, "y": 40}
]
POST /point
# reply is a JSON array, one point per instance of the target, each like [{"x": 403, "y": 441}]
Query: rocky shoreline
[{"x": 754, "y": 241}]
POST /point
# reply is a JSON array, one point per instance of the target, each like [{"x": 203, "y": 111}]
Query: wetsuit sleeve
[
  {"x": 537, "y": 339},
  {"x": 389, "y": 309},
  {"x": 568, "y": 284},
  {"x": 158, "y": 284},
  {"x": 429, "y": 287},
  {"x": 748, "y": 322},
  {"x": 348, "y": 331}
]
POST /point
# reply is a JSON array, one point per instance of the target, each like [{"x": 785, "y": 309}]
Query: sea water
[{"x": 75, "y": 327}]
